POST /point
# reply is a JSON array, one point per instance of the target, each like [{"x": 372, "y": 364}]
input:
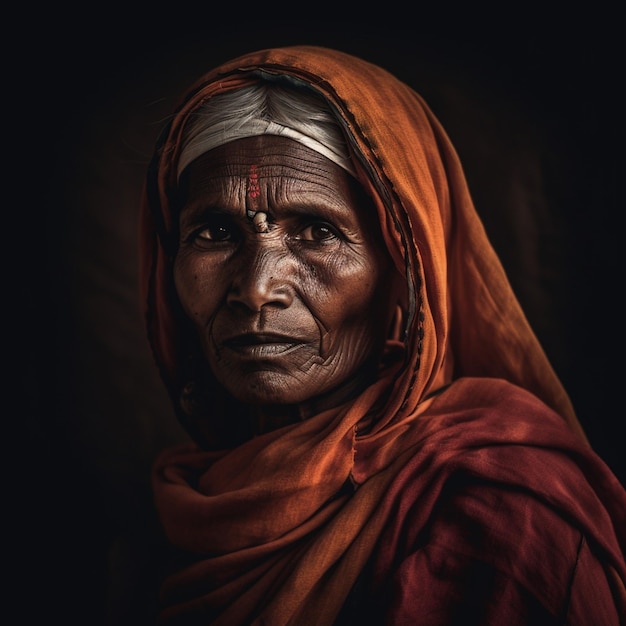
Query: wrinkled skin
[{"x": 295, "y": 314}]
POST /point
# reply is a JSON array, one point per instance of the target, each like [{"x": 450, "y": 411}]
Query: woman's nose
[{"x": 263, "y": 278}]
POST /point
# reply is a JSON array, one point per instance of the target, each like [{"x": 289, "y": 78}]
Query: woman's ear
[
  {"x": 396, "y": 327},
  {"x": 398, "y": 300}
]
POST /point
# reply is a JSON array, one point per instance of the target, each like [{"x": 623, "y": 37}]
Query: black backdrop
[{"x": 535, "y": 108}]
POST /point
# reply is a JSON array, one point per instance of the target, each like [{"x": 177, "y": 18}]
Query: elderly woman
[{"x": 378, "y": 435}]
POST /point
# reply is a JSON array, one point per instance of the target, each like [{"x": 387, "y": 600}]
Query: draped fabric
[{"x": 356, "y": 511}]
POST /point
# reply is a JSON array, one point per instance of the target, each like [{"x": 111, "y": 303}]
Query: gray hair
[{"x": 265, "y": 108}]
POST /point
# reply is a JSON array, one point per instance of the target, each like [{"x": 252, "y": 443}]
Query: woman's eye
[
  {"x": 318, "y": 232},
  {"x": 215, "y": 233}
]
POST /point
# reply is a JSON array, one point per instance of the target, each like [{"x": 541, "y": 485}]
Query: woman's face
[{"x": 293, "y": 305}]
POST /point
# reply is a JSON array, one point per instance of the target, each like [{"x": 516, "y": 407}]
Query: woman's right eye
[{"x": 218, "y": 232}]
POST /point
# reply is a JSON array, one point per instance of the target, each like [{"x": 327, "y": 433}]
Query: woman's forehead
[{"x": 267, "y": 164}]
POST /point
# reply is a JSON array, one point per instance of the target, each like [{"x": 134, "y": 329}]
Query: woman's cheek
[{"x": 189, "y": 281}]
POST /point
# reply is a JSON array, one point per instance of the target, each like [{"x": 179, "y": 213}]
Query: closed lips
[{"x": 268, "y": 343}]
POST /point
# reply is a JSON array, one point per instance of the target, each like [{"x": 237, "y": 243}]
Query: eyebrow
[
  {"x": 204, "y": 206},
  {"x": 208, "y": 206}
]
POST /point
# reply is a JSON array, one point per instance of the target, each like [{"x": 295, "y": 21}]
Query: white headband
[{"x": 211, "y": 137}]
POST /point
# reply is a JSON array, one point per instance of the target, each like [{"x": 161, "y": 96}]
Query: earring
[{"x": 190, "y": 401}]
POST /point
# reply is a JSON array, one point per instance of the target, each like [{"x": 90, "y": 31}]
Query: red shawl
[{"x": 460, "y": 479}]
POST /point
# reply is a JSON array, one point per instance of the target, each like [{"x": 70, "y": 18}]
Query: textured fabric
[{"x": 460, "y": 483}]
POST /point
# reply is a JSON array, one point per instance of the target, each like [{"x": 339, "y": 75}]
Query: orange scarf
[{"x": 283, "y": 524}]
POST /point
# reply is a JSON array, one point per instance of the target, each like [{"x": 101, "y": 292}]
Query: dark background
[{"x": 535, "y": 106}]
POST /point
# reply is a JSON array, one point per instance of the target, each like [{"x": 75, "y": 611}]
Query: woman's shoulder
[
  {"x": 497, "y": 394},
  {"x": 506, "y": 442},
  {"x": 501, "y": 494},
  {"x": 500, "y": 425}
]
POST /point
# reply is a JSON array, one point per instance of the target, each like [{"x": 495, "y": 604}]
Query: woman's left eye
[{"x": 318, "y": 232}]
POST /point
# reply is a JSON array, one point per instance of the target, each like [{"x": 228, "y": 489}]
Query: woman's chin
[{"x": 268, "y": 388}]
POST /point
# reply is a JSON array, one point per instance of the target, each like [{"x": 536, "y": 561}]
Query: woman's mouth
[{"x": 262, "y": 345}]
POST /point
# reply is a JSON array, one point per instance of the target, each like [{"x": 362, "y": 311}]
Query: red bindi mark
[{"x": 254, "y": 190}]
